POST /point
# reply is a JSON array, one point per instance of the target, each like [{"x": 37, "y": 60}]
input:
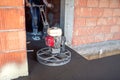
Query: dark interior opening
[{"x": 53, "y": 16}]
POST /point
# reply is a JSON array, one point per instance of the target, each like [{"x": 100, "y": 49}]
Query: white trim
[
  {"x": 13, "y": 70},
  {"x": 69, "y": 21}
]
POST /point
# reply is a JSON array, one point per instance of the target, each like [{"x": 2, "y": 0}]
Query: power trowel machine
[{"x": 55, "y": 54}]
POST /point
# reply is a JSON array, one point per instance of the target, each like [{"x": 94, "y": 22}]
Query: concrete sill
[{"x": 98, "y": 50}]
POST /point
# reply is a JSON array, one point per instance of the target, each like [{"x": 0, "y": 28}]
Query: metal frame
[{"x": 44, "y": 56}]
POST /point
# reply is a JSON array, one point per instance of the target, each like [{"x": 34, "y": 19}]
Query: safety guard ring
[{"x": 44, "y": 56}]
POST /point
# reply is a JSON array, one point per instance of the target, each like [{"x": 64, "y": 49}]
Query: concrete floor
[{"x": 78, "y": 69}]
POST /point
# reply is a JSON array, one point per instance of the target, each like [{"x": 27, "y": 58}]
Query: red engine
[
  {"x": 55, "y": 54},
  {"x": 50, "y": 41}
]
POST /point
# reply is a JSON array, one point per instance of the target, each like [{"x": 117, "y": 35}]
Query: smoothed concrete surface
[{"x": 79, "y": 68}]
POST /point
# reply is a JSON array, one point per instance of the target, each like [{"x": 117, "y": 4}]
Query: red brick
[
  {"x": 80, "y": 21},
  {"x": 75, "y": 40},
  {"x": 83, "y": 31},
  {"x": 111, "y": 21},
  {"x": 114, "y": 20},
  {"x": 114, "y": 3},
  {"x": 104, "y": 3},
  {"x": 88, "y": 31},
  {"x": 18, "y": 38},
  {"x": 115, "y": 29},
  {"x": 2, "y": 42},
  {"x": 108, "y": 36},
  {"x": 12, "y": 18},
  {"x": 106, "y": 29},
  {"x": 107, "y": 12},
  {"x": 76, "y": 3},
  {"x": 12, "y": 38},
  {"x": 83, "y": 40},
  {"x": 101, "y": 21},
  {"x": 77, "y": 12},
  {"x": 13, "y": 41},
  {"x": 116, "y": 36},
  {"x": 99, "y": 37},
  {"x": 91, "y": 21},
  {"x": 0, "y": 46},
  {"x": 85, "y": 12},
  {"x": 91, "y": 39},
  {"x": 97, "y": 12},
  {"x": 75, "y": 31},
  {"x": 86, "y": 35},
  {"x": 97, "y": 30},
  {"x": 22, "y": 39},
  {"x": 12, "y": 57},
  {"x": 75, "y": 26},
  {"x": 92, "y": 3},
  {"x": 87, "y": 39},
  {"x": 116, "y": 12},
  {"x": 118, "y": 20},
  {"x": 12, "y": 3},
  {"x": 119, "y": 4},
  {"x": 80, "y": 3}
]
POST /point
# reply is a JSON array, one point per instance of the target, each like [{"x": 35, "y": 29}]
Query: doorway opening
[
  {"x": 53, "y": 19},
  {"x": 52, "y": 16},
  {"x": 60, "y": 16}
]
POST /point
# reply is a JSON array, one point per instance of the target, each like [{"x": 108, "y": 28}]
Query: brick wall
[
  {"x": 13, "y": 61},
  {"x": 96, "y": 21}
]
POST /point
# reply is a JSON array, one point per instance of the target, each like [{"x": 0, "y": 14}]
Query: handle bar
[{"x": 35, "y": 5}]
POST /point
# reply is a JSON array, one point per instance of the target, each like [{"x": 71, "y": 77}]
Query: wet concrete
[{"x": 78, "y": 69}]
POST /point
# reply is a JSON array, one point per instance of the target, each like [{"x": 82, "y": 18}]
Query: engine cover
[{"x": 54, "y": 31}]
